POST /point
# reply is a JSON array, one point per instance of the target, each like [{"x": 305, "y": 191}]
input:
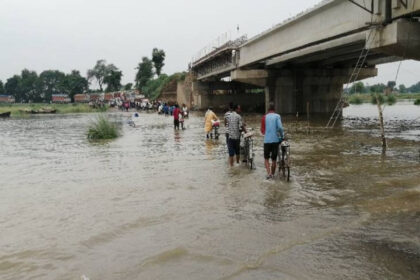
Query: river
[{"x": 159, "y": 204}]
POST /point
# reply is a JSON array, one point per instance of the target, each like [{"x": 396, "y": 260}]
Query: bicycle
[
  {"x": 215, "y": 129},
  {"x": 248, "y": 149},
  {"x": 284, "y": 159}
]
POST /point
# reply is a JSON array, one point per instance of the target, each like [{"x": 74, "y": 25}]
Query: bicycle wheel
[{"x": 288, "y": 174}]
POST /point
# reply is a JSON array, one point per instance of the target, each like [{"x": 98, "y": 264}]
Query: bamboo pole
[{"x": 381, "y": 124}]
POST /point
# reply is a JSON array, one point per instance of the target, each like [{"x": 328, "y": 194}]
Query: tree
[
  {"x": 391, "y": 85},
  {"x": 113, "y": 80},
  {"x": 128, "y": 86},
  {"x": 414, "y": 88},
  {"x": 158, "y": 57},
  {"x": 74, "y": 83},
  {"x": 100, "y": 71},
  {"x": 1, "y": 87},
  {"x": 12, "y": 87},
  {"x": 153, "y": 88},
  {"x": 29, "y": 86},
  {"x": 377, "y": 88},
  {"x": 358, "y": 87},
  {"x": 402, "y": 89},
  {"x": 144, "y": 73},
  {"x": 51, "y": 82}
]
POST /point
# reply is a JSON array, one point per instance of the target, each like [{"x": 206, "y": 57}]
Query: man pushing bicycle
[{"x": 271, "y": 128}]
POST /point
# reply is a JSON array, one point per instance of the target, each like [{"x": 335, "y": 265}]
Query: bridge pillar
[{"x": 319, "y": 90}]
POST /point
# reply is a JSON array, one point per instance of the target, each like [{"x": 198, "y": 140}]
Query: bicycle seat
[{"x": 285, "y": 144}]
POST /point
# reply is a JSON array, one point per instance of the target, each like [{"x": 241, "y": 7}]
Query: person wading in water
[
  {"x": 234, "y": 128},
  {"x": 208, "y": 126},
  {"x": 271, "y": 128}
]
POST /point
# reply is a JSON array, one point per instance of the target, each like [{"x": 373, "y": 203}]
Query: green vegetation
[
  {"x": 391, "y": 99},
  {"x": 154, "y": 88},
  {"x": 360, "y": 98},
  {"x": 18, "y": 109},
  {"x": 146, "y": 83},
  {"x": 144, "y": 73},
  {"x": 158, "y": 57},
  {"x": 105, "y": 74},
  {"x": 360, "y": 87},
  {"x": 381, "y": 98},
  {"x": 102, "y": 129},
  {"x": 417, "y": 101},
  {"x": 356, "y": 99},
  {"x": 31, "y": 87}
]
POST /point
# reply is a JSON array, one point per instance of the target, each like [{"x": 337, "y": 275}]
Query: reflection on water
[{"x": 163, "y": 204}]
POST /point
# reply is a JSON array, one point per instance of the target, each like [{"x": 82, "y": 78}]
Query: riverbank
[
  {"x": 19, "y": 109},
  {"x": 359, "y": 98}
]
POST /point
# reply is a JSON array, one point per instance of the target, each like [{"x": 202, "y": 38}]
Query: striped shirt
[
  {"x": 234, "y": 124},
  {"x": 227, "y": 114}
]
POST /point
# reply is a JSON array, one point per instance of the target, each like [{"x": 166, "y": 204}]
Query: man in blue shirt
[{"x": 272, "y": 129}]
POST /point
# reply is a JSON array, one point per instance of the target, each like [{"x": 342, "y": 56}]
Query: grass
[
  {"x": 102, "y": 129},
  {"x": 360, "y": 98},
  {"x": 391, "y": 99},
  {"x": 356, "y": 99},
  {"x": 16, "y": 109}
]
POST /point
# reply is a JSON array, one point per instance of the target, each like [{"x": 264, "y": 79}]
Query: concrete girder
[
  {"x": 322, "y": 51},
  {"x": 401, "y": 38},
  {"x": 255, "y": 77},
  {"x": 330, "y": 20}
]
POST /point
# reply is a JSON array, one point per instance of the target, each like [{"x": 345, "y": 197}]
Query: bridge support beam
[
  {"x": 219, "y": 94},
  {"x": 295, "y": 91}
]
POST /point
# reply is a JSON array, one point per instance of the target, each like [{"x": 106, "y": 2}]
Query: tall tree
[
  {"x": 128, "y": 86},
  {"x": 1, "y": 88},
  {"x": 402, "y": 88},
  {"x": 358, "y": 87},
  {"x": 415, "y": 88},
  {"x": 113, "y": 80},
  {"x": 29, "y": 86},
  {"x": 377, "y": 88},
  {"x": 51, "y": 82},
  {"x": 144, "y": 73},
  {"x": 74, "y": 83},
  {"x": 100, "y": 71},
  {"x": 391, "y": 85},
  {"x": 158, "y": 58},
  {"x": 12, "y": 87}
]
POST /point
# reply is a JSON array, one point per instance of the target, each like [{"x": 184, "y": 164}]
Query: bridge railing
[{"x": 222, "y": 42}]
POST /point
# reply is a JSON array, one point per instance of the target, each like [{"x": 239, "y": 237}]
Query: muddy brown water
[{"x": 159, "y": 204}]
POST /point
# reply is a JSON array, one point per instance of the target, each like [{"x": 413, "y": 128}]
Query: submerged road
[{"x": 159, "y": 204}]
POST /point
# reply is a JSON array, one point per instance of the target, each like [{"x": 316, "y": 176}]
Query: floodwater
[{"x": 159, "y": 204}]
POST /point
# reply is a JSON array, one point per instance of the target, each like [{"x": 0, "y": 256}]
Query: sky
[{"x": 73, "y": 34}]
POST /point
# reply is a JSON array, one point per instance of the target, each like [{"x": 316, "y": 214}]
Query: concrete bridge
[{"x": 305, "y": 61}]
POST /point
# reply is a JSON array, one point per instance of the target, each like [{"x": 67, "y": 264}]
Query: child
[{"x": 181, "y": 119}]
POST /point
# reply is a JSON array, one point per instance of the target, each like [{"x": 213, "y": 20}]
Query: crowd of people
[{"x": 271, "y": 128}]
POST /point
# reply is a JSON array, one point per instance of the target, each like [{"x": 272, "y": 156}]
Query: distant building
[
  {"x": 60, "y": 98},
  {"x": 7, "y": 99},
  {"x": 81, "y": 98},
  {"x": 96, "y": 97},
  {"x": 109, "y": 97}
]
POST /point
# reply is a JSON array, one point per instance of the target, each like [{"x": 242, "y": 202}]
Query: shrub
[
  {"x": 380, "y": 97},
  {"x": 391, "y": 100},
  {"x": 355, "y": 99},
  {"x": 102, "y": 128},
  {"x": 417, "y": 101}
]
